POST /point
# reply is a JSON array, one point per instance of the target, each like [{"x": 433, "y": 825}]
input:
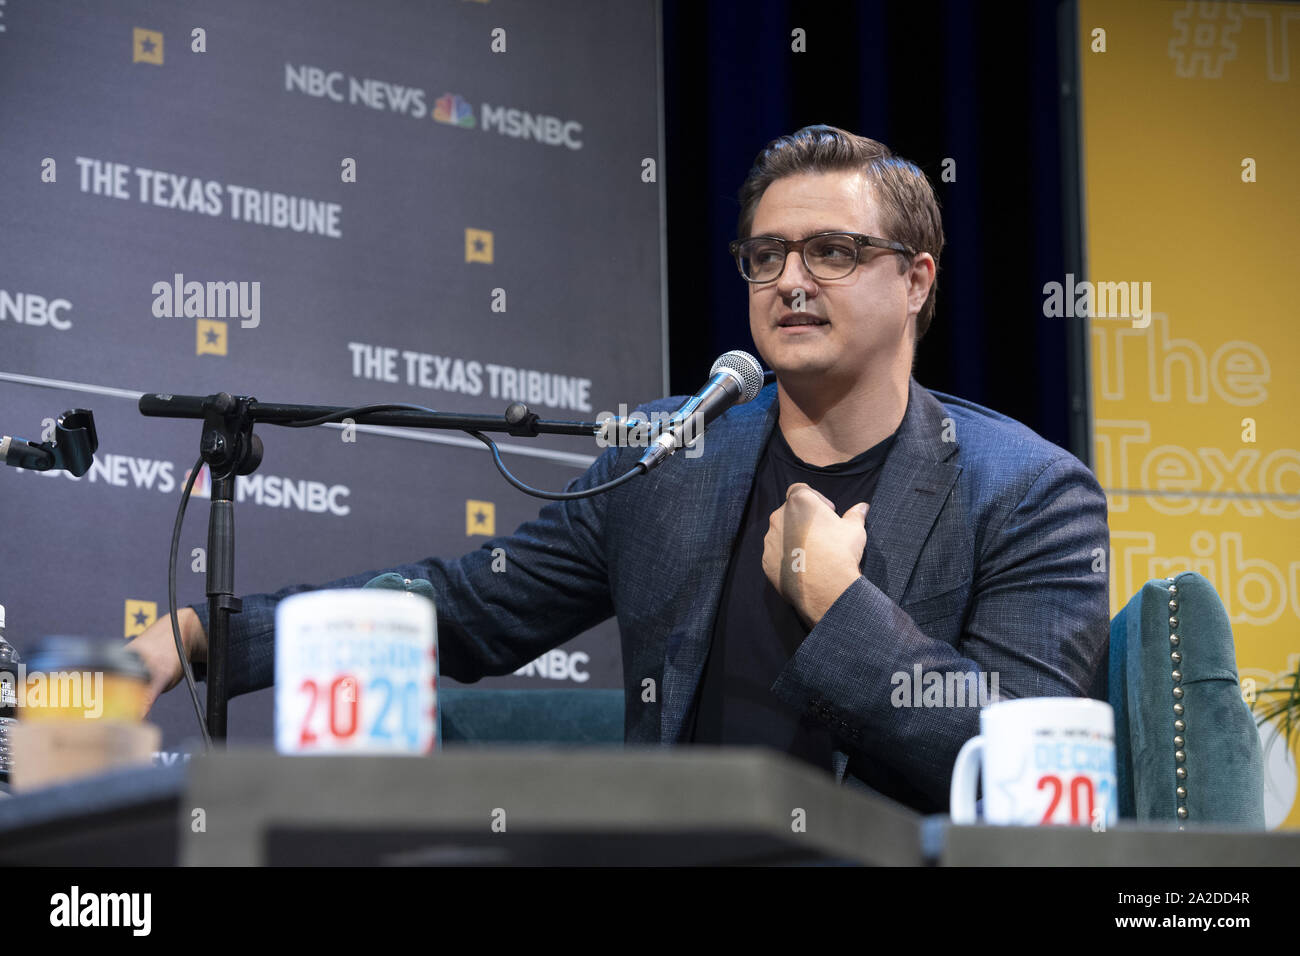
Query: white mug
[
  {"x": 1046, "y": 760},
  {"x": 356, "y": 672}
]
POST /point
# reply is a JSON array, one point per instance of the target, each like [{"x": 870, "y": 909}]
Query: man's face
[{"x": 865, "y": 319}]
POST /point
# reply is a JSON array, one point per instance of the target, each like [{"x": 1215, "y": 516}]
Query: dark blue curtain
[{"x": 978, "y": 83}]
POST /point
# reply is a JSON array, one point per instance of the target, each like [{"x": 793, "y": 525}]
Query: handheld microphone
[{"x": 735, "y": 378}]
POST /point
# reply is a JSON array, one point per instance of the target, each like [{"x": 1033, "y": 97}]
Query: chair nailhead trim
[{"x": 1180, "y": 752}]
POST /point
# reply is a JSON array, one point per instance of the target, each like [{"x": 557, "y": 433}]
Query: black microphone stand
[{"x": 229, "y": 448}]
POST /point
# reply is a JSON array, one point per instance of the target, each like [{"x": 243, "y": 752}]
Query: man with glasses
[
  {"x": 904, "y": 556},
  {"x": 852, "y": 565}
]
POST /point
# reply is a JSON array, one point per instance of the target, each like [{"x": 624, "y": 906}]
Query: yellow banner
[{"x": 1190, "y": 131}]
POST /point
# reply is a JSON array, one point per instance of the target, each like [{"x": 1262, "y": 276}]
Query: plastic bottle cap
[{"x": 62, "y": 652}]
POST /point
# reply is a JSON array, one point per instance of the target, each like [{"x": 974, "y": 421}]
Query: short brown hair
[{"x": 910, "y": 211}]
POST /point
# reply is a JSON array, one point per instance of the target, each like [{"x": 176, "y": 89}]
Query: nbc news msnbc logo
[{"x": 451, "y": 109}]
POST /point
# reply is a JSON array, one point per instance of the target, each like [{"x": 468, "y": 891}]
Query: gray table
[
  {"x": 508, "y": 806},
  {"x": 1127, "y": 843},
  {"x": 559, "y": 806}
]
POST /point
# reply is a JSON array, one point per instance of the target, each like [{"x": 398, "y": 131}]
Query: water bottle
[{"x": 8, "y": 698}]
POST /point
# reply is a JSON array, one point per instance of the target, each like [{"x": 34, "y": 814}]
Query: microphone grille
[{"x": 747, "y": 367}]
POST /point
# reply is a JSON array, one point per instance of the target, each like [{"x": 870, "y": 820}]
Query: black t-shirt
[{"x": 757, "y": 631}]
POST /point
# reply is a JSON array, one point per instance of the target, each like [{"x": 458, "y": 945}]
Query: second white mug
[{"x": 1044, "y": 760}]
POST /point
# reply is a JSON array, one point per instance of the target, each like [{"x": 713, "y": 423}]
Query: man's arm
[
  {"x": 1039, "y": 618},
  {"x": 494, "y": 616}
]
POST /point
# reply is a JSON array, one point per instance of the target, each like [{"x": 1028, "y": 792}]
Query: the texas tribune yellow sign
[{"x": 1191, "y": 169}]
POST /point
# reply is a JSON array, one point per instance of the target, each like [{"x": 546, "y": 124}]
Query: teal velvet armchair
[{"x": 1186, "y": 746}]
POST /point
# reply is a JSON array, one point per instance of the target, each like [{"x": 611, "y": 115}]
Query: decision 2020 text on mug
[{"x": 1045, "y": 760}]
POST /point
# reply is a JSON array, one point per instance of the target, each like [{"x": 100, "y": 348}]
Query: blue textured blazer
[{"x": 986, "y": 552}]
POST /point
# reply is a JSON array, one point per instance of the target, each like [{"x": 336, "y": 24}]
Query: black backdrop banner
[{"x": 974, "y": 88}]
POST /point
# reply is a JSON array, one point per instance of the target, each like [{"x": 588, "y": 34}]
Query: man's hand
[
  {"x": 157, "y": 649},
  {"x": 811, "y": 554}
]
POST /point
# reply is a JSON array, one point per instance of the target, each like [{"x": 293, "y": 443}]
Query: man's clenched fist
[{"x": 811, "y": 554}]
